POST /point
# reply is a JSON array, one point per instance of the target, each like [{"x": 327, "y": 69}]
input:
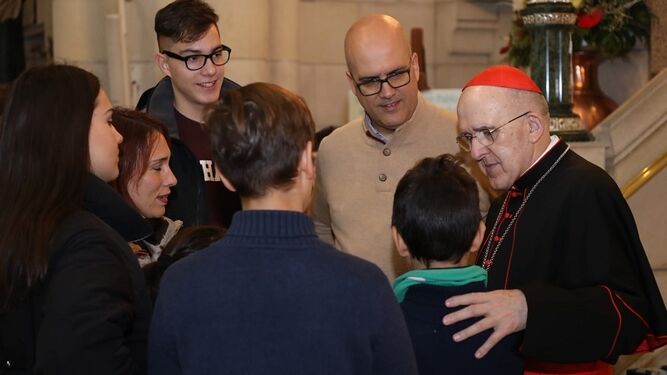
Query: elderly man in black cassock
[{"x": 565, "y": 263}]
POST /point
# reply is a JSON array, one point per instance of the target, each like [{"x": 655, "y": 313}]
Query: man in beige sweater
[{"x": 360, "y": 164}]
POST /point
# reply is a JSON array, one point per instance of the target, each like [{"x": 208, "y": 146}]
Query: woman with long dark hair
[{"x": 72, "y": 296}]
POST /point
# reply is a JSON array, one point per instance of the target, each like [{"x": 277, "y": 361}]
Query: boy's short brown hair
[{"x": 258, "y": 133}]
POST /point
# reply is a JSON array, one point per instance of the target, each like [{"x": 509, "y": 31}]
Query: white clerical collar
[{"x": 552, "y": 142}]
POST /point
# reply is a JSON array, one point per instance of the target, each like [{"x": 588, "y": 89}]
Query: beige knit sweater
[{"x": 357, "y": 176}]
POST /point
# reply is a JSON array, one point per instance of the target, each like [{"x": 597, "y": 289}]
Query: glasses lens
[
  {"x": 220, "y": 57},
  {"x": 485, "y": 137},
  {"x": 399, "y": 80},
  {"x": 195, "y": 62},
  {"x": 370, "y": 88}
]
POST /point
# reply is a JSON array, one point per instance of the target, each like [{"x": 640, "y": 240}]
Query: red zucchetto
[{"x": 504, "y": 76}]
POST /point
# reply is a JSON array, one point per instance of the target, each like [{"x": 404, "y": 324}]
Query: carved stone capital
[
  {"x": 550, "y": 19},
  {"x": 547, "y": 2},
  {"x": 560, "y": 124}
]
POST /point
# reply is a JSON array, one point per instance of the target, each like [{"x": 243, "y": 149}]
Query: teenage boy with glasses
[
  {"x": 192, "y": 57},
  {"x": 360, "y": 163}
]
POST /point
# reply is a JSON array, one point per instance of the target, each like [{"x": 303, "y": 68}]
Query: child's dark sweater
[{"x": 423, "y": 306}]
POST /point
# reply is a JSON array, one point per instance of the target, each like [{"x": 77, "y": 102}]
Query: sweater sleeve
[
  {"x": 599, "y": 308},
  {"x": 392, "y": 348},
  {"x": 87, "y": 310}
]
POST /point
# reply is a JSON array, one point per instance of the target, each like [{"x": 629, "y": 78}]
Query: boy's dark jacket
[{"x": 187, "y": 201}]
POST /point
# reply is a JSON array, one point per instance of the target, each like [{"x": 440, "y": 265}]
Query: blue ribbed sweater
[{"x": 270, "y": 298}]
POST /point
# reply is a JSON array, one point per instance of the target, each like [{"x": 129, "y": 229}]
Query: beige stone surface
[
  {"x": 452, "y": 75},
  {"x": 637, "y": 157},
  {"x": 143, "y": 75},
  {"x": 473, "y": 41},
  {"x": 141, "y": 40},
  {"x": 284, "y": 33},
  {"x": 410, "y": 14},
  {"x": 469, "y": 35},
  {"x": 284, "y": 43},
  {"x": 286, "y": 74},
  {"x": 477, "y": 11},
  {"x": 635, "y": 133},
  {"x": 244, "y": 71},
  {"x": 325, "y": 89},
  {"x": 322, "y": 30},
  {"x": 245, "y": 27},
  {"x": 78, "y": 31},
  {"x": 658, "y": 35},
  {"x": 445, "y": 27}
]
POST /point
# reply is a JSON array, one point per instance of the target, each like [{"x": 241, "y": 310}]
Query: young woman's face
[
  {"x": 150, "y": 191},
  {"x": 103, "y": 141}
]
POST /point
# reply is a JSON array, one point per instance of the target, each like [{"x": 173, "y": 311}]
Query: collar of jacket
[
  {"x": 161, "y": 103},
  {"x": 103, "y": 201}
]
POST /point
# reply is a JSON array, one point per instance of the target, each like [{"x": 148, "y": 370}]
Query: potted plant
[{"x": 604, "y": 29}]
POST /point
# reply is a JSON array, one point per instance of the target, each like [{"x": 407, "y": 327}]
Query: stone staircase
[{"x": 635, "y": 137}]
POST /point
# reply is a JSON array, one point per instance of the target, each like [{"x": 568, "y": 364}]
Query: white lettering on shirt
[{"x": 210, "y": 172}]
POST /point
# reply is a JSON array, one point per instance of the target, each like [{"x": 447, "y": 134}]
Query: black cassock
[{"x": 573, "y": 249}]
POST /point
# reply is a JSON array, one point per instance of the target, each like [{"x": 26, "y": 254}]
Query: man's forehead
[
  {"x": 372, "y": 56},
  {"x": 379, "y": 70},
  {"x": 483, "y": 107},
  {"x": 490, "y": 94},
  {"x": 378, "y": 65}
]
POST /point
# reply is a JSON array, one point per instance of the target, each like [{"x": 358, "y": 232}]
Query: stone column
[
  {"x": 78, "y": 35},
  {"x": 284, "y": 46},
  {"x": 245, "y": 27},
  {"x": 142, "y": 45}
]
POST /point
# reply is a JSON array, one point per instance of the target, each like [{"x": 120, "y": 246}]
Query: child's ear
[
  {"x": 307, "y": 162},
  {"x": 226, "y": 182},
  {"x": 401, "y": 247},
  {"x": 479, "y": 236}
]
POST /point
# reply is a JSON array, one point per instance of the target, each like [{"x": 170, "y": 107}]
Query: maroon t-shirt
[{"x": 222, "y": 203}]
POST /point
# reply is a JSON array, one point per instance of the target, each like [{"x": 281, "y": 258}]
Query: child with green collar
[{"x": 437, "y": 226}]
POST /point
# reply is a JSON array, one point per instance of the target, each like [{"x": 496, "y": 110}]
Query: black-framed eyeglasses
[
  {"x": 219, "y": 56},
  {"x": 373, "y": 86},
  {"x": 484, "y": 136}
]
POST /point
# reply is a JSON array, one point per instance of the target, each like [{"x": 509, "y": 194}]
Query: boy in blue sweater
[
  {"x": 270, "y": 297},
  {"x": 436, "y": 225}
]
